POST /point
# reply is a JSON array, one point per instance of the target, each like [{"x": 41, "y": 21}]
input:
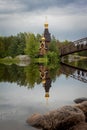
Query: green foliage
[
  {"x": 26, "y": 76},
  {"x": 32, "y": 74},
  {"x": 38, "y": 37},
  {"x": 53, "y": 54},
  {"x": 53, "y": 57},
  {"x": 25, "y": 43},
  {"x": 82, "y": 53},
  {"x": 21, "y": 43},
  {"x": 43, "y": 60},
  {"x": 2, "y": 48},
  {"x": 66, "y": 42},
  {"x": 9, "y": 60},
  {"x": 16, "y": 74},
  {"x": 53, "y": 45},
  {"x": 32, "y": 45},
  {"x": 12, "y": 45}
]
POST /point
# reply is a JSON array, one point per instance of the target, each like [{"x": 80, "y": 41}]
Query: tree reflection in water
[{"x": 33, "y": 74}]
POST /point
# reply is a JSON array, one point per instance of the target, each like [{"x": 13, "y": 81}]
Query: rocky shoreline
[{"x": 73, "y": 117}]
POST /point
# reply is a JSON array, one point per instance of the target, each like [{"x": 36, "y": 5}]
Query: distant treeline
[
  {"x": 15, "y": 45},
  {"x": 12, "y": 45},
  {"x": 26, "y": 43}
]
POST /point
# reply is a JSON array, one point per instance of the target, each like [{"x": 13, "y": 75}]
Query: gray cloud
[
  {"x": 67, "y": 18},
  {"x": 9, "y": 7},
  {"x": 18, "y": 6}
]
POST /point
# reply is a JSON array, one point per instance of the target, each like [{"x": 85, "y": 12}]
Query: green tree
[
  {"x": 13, "y": 47},
  {"x": 66, "y": 42},
  {"x": 2, "y": 47},
  {"x": 38, "y": 37},
  {"x": 21, "y": 43},
  {"x": 53, "y": 57},
  {"x": 32, "y": 45},
  {"x": 82, "y": 53},
  {"x": 53, "y": 54}
]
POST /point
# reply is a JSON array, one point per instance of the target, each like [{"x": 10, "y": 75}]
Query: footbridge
[{"x": 76, "y": 46}]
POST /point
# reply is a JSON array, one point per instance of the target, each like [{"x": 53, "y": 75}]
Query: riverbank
[
  {"x": 23, "y": 59},
  {"x": 9, "y": 60},
  {"x": 76, "y": 58},
  {"x": 20, "y": 59}
]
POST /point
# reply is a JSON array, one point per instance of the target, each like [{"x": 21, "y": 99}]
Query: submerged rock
[{"x": 80, "y": 100}]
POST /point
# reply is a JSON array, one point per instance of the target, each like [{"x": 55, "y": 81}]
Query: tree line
[
  {"x": 27, "y": 43},
  {"x": 24, "y": 43},
  {"x": 16, "y": 45}
]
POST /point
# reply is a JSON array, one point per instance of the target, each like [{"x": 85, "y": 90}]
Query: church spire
[
  {"x": 47, "y": 34},
  {"x": 46, "y": 23}
]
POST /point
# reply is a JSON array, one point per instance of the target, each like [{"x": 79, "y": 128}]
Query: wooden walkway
[{"x": 76, "y": 46}]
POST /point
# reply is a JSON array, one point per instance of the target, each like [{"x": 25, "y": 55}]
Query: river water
[{"x": 25, "y": 90}]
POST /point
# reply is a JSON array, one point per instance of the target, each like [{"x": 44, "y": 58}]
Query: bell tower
[
  {"x": 45, "y": 40},
  {"x": 47, "y": 34}
]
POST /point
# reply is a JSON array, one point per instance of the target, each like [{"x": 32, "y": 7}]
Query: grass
[
  {"x": 83, "y": 57},
  {"x": 8, "y": 60},
  {"x": 41, "y": 60}
]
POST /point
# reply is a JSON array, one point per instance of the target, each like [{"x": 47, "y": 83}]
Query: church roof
[{"x": 47, "y": 35}]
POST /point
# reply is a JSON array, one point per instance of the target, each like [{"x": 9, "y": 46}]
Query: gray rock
[
  {"x": 83, "y": 106},
  {"x": 61, "y": 119},
  {"x": 79, "y": 126},
  {"x": 80, "y": 100}
]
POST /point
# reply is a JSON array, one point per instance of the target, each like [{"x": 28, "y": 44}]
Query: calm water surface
[{"x": 25, "y": 90}]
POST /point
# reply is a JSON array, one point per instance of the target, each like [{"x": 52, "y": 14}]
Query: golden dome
[
  {"x": 43, "y": 38},
  {"x": 43, "y": 81},
  {"x": 46, "y": 95},
  {"x": 46, "y": 24}
]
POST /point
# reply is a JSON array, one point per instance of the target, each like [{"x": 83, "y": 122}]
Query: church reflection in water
[
  {"x": 69, "y": 71},
  {"x": 46, "y": 80}
]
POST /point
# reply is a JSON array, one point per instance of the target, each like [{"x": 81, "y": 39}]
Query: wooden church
[{"x": 45, "y": 40}]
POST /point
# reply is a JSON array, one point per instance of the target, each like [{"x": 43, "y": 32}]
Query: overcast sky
[{"x": 67, "y": 18}]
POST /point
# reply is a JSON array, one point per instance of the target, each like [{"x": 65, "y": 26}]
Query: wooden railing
[{"x": 76, "y": 46}]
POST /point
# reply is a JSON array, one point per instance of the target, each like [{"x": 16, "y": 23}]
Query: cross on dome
[{"x": 46, "y": 23}]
